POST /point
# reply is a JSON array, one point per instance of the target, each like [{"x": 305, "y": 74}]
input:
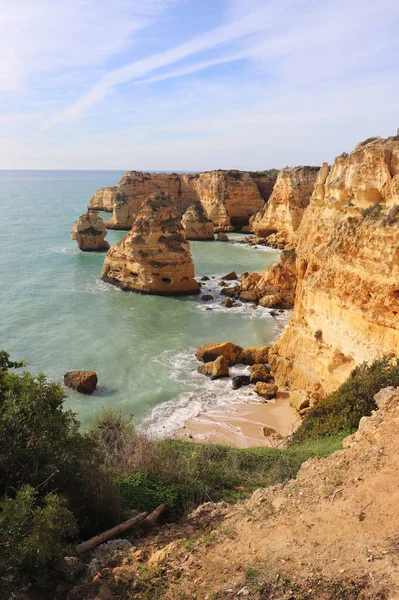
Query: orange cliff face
[
  {"x": 103, "y": 199},
  {"x": 347, "y": 298},
  {"x": 154, "y": 257},
  {"x": 196, "y": 225},
  {"x": 228, "y": 198},
  {"x": 136, "y": 186},
  {"x": 282, "y": 215}
]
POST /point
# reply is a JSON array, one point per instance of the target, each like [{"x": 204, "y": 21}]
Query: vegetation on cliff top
[
  {"x": 354, "y": 399},
  {"x": 58, "y": 483}
]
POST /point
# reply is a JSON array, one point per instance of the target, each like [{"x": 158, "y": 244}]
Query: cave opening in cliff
[{"x": 239, "y": 222}]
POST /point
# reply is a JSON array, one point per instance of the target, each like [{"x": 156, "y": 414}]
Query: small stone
[
  {"x": 227, "y": 303},
  {"x": 207, "y": 298},
  {"x": 230, "y": 276},
  {"x": 204, "y": 278},
  {"x": 266, "y": 390},
  {"x": 222, "y": 237},
  {"x": 231, "y": 292},
  {"x": 249, "y": 296}
]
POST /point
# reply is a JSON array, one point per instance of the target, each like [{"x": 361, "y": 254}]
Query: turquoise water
[{"x": 58, "y": 315}]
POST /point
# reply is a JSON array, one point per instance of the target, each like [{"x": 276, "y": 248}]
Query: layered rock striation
[
  {"x": 154, "y": 257},
  {"x": 347, "y": 298},
  {"x": 196, "y": 224},
  {"x": 136, "y": 186},
  {"x": 228, "y": 198},
  {"x": 89, "y": 232},
  {"x": 103, "y": 199},
  {"x": 282, "y": 215}
]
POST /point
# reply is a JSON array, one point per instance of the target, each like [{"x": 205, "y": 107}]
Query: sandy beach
[{"x": 242, "y": 424}]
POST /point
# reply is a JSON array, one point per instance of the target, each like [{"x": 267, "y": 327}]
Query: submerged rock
[
  {"x": 89, "y": 232},
  {"x": 239, "y": 381},
  {"x": 196, "y": 224},
  {"x": 154, "y": 257},
  {"x": 81, "y": 381}
]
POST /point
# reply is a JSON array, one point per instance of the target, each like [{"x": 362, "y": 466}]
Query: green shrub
[
  {"x": 145, "y": 491},
  {"x": 33, "y": 537},
  {"x": 343, "y": 409}
]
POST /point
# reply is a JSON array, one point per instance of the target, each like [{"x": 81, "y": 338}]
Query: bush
[
  {"x": 145, "y": 491},
  {"x": 354, "y": 399},
  {"x": 33, "y": 537}
]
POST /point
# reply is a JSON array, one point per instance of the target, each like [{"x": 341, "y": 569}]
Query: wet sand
[{"x": 241, "y": 424}]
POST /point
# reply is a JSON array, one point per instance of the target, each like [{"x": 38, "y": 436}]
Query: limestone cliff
[
  {"x": 283, "y": 213},
  {"x": 228, "y": 198},
  {"x": 347, "y": 302},
  {"x": 154, "y": 257},
  {"x": 89, "y": 232},
  {"x": 196, "y": 225},
  {"x": 103, "y": 199},
  {"x": 135, "y": 186}
]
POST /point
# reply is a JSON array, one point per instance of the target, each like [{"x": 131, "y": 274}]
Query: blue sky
[{"x": 194, "y": 84}]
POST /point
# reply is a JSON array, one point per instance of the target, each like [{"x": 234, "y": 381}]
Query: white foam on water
[
  {"x": 167, "y": 418},
  {"x": 66, "y": 250}
]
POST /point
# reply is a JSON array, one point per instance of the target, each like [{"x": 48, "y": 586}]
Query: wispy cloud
[
  {"x": 46, "y": 35},
  {"x": 251, "y": 23},
  {"x": 241, "y": 83}
]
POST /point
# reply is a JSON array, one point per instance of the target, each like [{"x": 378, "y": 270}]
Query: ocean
[{"x": 58, "y": 316}]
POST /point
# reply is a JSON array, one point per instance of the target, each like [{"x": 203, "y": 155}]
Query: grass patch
[{"x": 184, "y": 474}]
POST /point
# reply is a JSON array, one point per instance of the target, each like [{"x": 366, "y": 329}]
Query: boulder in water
[{"x": 84, "y": 382}]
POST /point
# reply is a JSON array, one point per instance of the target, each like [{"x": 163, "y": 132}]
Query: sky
[{"x": 191, "y": 85}]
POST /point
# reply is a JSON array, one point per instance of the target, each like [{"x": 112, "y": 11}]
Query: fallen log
[
  {"x": 154, "y": 516},
  {"x": 110, "y": 533}
]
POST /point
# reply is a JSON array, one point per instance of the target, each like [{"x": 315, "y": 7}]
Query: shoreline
[{"x": 245, "y": 424}]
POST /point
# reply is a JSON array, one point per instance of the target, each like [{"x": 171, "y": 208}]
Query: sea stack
[
  {"x": 89, "y": 232},
  {"x": 196, "y": 224},
  {"x": 154, "y": 257}
]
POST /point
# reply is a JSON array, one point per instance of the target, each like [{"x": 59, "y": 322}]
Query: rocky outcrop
[
  {"x": 84, "y": 382},
  {"x": 215, "y": 369},
  {"x": 210, "y": 352},
  {"x": 103, "y": 199},
  {"x": 135, "y": 186},
  {"x": 89, "y": 232},
  {"x": 228, "y": 198},
  {"x": 196, "y": 225},
  {"x": 283, "y": 213},
  {"x": 347, "y": 303},
  {"x": 154, "y": 257},
  {"x": 273, "y": 288}
]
